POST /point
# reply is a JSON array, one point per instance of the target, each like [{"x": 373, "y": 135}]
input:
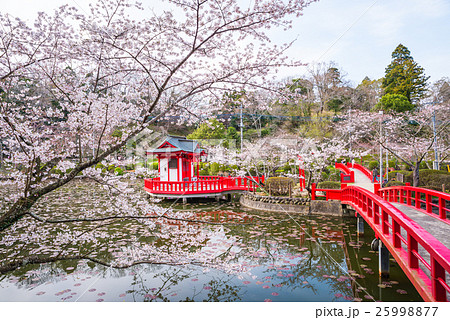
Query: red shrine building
[
  {"x": 178, "y": 159},
  {"x": 178, "y": 170}
]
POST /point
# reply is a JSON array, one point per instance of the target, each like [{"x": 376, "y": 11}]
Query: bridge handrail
[
  {"x": 330, "y": 194},
  {"x": 342, "y": 167},
  {"x": 361, "y": 168},
  {"x": 210, "y": 184},
  {"x": 404, "y": 195},
  {"x": 347, "y": 176},
  {"x": 378, "y": 213}
]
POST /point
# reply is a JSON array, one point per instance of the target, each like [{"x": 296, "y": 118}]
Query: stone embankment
[
  {"x": 275, "y": 204},
  {"x": 301, "y": 206}
]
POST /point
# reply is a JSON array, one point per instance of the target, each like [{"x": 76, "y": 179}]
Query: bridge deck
[{"x": 362, "y": 181}]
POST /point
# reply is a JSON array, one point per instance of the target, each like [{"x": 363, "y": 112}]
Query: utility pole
[
  {"x": 436, "y": 155},
  {"x": 381, "y": 147},
  {"x": 387, "y": 165},
  {"x": 350, "y": 129},
  {"x": 1, "y": 153},
  {"x": 242, "y": 127}
]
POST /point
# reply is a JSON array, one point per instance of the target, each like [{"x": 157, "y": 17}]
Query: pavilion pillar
[
  {"x": 159, "y": 165},
  {"x": 178, "y": 168}
]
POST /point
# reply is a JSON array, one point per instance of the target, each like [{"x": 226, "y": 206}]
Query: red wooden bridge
[
  {"x": 412, "y": 223},
  {"x": 202, "y": 186}
]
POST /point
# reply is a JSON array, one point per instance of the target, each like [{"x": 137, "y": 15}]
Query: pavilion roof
[{"x": 173, "y": 144}]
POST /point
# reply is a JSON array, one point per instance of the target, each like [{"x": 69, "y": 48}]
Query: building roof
[{"x": 172, "y": 144}]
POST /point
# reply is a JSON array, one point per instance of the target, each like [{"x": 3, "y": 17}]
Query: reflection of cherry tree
[
  {"x": 150, "y": 234},
  {"x": 167, "y": 281}
]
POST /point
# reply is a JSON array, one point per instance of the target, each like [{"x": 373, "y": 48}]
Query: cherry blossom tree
[
  {"x": 409, "y": 136},
  {"x": 76, "y": 87}
]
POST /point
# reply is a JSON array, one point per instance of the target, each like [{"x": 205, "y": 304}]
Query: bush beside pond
[
  {"x": 329, "y": 185},
  {"x": 279, "y": 186}
]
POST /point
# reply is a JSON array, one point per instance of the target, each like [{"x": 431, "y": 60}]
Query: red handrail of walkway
[
  {"x": 347, "y": 176},
  {"x": 361, "y": 168},
  {"x": 388, "y": 222},
  {"x": 204, "y": 185},
  {"x": 330, "y": 194},
  {"x": 420, "y": 199}
]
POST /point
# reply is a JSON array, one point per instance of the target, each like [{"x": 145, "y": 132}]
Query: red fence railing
[
  {"x": 431, "y": 202},
  {"x": 361, "y": 168},
  {"x": 325, "y": 194},
  {"x": 389, "y": 224},
  {"x": 205, "y": 184},
  {"x": 347, "y": 176}
]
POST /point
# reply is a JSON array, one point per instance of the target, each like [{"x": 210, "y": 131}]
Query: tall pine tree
[{"x": 404, "y": 76}]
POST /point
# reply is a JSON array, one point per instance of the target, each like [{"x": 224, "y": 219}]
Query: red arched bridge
[{"x": 408, "y": 221}]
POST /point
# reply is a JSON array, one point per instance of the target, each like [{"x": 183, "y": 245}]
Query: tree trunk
[
  {"x": 17, "y": 211},
  {"x": 416, "y": 174}
]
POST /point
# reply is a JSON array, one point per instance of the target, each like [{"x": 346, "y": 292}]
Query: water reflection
[{"x": 280, "y": 259}]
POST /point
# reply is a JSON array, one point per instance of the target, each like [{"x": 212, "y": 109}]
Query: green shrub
[
  {"x": 392, "y": 164},
  {"x": 324, "y": 175},
  {"x": 329, "y": 185},
  {"x": 99, "y": 166},
  {"x": 394, "y": 102},
  {"x": 407, "y": 175},
  {"x": 213, "y": 169},
  {"x": 423, "y": 165},
  {"x": 57, "y": 171},
  {"x": 118, "y": 171},
  {"x": 373, "y": 165},
  {"x": 335, "y": 175},
  {"x": 111, "y": 168},
  {"x": 434, "y": 178},
  {"x": 203, "y": 172},
  {"x": 394, "y": 183},
  {"x": 279, "y": 186},
  {"x": 287, "y": 168},
  {"x": 155, "y": 165},
  {"x": 265, "y": 132}
]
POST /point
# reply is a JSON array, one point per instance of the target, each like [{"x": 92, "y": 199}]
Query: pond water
[{"x": 281, "y": 258}]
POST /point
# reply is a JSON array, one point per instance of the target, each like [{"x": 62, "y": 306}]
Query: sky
[{"x": 358, "y": 35}]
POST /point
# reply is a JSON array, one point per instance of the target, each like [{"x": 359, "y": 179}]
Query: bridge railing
[
  {"x": 347, "y": 176},
  {"x": 361, "y": 168},
  {"x": 328, "y": 194},
  {"x": 204, "y": 184},
  {"x": 402, "y": 236},
  {"x": 431, "y": 202}
]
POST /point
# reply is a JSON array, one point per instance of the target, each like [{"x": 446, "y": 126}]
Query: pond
[{"x": 264, "y": 257}]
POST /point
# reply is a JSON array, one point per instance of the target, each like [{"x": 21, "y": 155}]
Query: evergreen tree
[{"x": 404, "y": 76}]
